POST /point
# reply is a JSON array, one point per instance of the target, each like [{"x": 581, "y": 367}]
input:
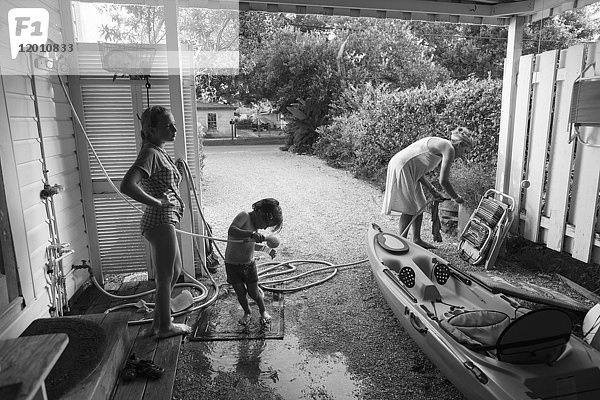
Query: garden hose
[
  {"x": 264, "y": 274},
  {"x": 195, "y": 284}
]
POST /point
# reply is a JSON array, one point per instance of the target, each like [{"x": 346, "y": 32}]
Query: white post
[
  {"x": 514, "y": 49},
  {"x": 176, "y": 99}
]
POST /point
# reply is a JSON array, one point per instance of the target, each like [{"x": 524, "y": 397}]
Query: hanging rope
[{"x": 148, "y": 87}]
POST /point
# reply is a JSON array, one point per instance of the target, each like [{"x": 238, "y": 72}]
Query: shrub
[
  {"x": 336, "y": 141},
  {"x": 471, "y": 180},
  {"x": 476, "y": 104},
  {"x": 302, "y": 130},
  {"x": 373, "y": 123}
]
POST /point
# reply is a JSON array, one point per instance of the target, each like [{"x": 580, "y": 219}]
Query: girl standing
[{"x": 153, "y": 180}]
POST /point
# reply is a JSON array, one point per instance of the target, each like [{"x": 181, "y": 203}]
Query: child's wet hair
[
  {"x": 271, "y": 212},
  {"x": 150, "y": 118}
]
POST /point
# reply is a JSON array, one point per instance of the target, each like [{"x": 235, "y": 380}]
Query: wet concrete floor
[
  {"x": 341, "y": 340},
  {"x": 283, "y": 366}
]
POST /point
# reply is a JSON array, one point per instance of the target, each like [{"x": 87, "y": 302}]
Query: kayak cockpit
[{"x": 538, "y": 337}]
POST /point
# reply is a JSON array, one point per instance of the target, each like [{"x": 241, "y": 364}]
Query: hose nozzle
[{"x": 272, "y": 241}]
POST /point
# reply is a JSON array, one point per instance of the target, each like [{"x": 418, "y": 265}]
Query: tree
[
  {"x": 207, "y": 29},
  {"x": 295, "y": 65},
  {"x": 479, "y": 50},
  {"x": 133, "y": 24},
  {"x": 201, "y": 29},
  {"x": 561, "y": 31},
  {"x": 464, "y": 50},
  {"x": 255, "y": 29},
  {"x": 385, "y": 51}
]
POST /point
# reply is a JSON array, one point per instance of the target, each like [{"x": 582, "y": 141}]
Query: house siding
[
  {"x": 23, "y": 175},
  {"x": 223, "y": 118}
]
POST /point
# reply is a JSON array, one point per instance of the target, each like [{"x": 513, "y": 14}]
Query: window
[{"x": 212, "y": 121}]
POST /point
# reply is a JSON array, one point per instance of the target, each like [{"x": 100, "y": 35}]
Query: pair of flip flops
[{"x": 135, "y": 367}]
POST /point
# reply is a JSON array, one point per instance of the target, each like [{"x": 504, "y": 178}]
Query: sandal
[
  {"x": 150, "y": 369},
  {"x": 129, "y": 371}
]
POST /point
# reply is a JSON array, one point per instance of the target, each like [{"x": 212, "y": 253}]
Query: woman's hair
[
  {"x": 461, "y": 135},
  {"x": 271, "y": 212},
  {"x": 150, "y": 117}
]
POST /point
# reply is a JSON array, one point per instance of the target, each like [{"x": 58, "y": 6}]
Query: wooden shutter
[
  {"x": 109, "y": 123},
  {"x": 111, "y": 112}
]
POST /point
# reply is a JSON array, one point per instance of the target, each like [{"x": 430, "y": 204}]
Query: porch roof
[{"x": 493, "y": 12}]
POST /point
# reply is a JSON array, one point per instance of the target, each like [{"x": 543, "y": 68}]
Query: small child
[{"x": 239, "y": 257}]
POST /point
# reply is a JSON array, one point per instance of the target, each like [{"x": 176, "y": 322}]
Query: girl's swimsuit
[
  {"x": 241, "y": 273},
  {"x": 162, "y": 177}
]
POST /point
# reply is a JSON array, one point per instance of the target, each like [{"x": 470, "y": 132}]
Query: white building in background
[{"x": 215, "y": 118}]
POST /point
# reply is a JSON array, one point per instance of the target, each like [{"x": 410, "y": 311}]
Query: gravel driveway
[{"x": 326, "y": 212}]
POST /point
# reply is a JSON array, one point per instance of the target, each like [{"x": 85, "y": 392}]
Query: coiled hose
[{"x": 203, "y": 299}]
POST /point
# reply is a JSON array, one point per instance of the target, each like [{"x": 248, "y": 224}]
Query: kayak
[{"x": 484, "y": 342}]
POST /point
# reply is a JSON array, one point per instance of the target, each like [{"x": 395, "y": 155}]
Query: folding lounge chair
[
  {"x": 585, "y": 107},
  {"x": 487, "y": 228}
]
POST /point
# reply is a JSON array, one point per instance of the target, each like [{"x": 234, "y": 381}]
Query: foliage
[
  {"x": 476, "y": 104},
  {"x": 256, "y": 30},
  {"x": 298, "y": 68},
  {"x": 209, "y": 30},
  {"x": 133, "y": 24},
  {"x": 561, "y": 31},
  {"x": 471, "y": 180},
  {"x": 295, "y": 66},
  {"x": 378, "y": 122},
  {"x": 479, "y": 50},
  {"x": 354, "y": 50},
  {"x": 203, "y": 29},
  {"x": 464, "y": 50},
  {"x": 384, "y": 51},
  {"x": 313, "y": 58},
  {"x": 402, "y": 54},
  {"x": 307, "y": 117},
  {"x": 336, "y": 141}
]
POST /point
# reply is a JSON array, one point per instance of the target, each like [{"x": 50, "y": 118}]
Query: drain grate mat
[{"x": 221, "y": 320}]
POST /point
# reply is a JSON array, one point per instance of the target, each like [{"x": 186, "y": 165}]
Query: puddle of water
[{"x": 283, "y": 366}]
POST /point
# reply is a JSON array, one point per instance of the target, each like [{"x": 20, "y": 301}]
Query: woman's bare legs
[
  {"x": 415, "y": 228},
  {"x": 167, "y": 261},
  {"x": 404, "y": 221}
]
